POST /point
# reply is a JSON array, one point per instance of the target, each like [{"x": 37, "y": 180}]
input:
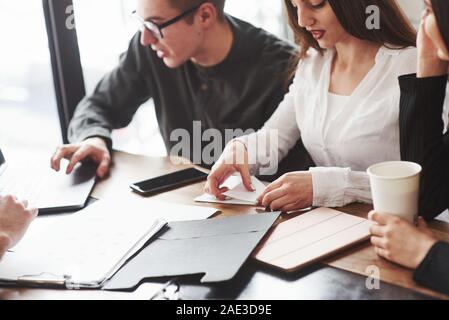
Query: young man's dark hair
[{"x": 183, "y": 5}]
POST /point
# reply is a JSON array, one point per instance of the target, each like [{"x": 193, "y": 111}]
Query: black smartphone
[{"x": 168, "y": 181}]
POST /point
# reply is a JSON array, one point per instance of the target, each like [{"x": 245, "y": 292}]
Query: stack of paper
[{"x": 237, "y": 193}]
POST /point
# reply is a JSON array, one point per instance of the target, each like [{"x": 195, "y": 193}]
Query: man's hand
[
  {"x": 93, "y": 148},
  {"x": 15, "y": 216}
]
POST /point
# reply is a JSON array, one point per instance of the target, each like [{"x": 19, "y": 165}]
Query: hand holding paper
[
  {"x": 240, "y": 192},
  {"x": 237, "y": 193},
  {"x": 233, "y": 159}
]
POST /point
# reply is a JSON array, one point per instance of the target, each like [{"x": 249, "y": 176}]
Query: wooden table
[{"x": 351, "y": 263}]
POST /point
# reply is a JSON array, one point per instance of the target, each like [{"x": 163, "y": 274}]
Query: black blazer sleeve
[
  {"x": 422, "y": 139},
  {"x": 433, "y": 272}
]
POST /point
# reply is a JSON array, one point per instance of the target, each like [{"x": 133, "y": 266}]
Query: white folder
[{"x": 85, "y": 249}]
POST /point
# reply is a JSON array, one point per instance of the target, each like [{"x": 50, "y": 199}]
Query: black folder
[{"x": 215, "y": 247}]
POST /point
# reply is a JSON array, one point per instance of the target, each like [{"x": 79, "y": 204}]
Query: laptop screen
[
  {"x": 2, "y": 158},
  {"x": 2, "y": 161}
]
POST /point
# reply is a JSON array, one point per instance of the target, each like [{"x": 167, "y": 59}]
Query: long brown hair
[
  {"x": 395, "y": 32},
  {"x": 441, "y": 11}
]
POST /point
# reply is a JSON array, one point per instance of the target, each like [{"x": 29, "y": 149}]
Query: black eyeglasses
[{"x": 156, "y": 29}]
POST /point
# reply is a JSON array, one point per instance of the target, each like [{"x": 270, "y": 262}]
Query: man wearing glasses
[{"x": 199, "y": 65}]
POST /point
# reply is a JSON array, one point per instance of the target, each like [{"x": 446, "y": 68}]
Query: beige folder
[{"x": 311, "y": 237}]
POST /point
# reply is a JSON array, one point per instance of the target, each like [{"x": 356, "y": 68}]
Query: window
[
  {"x": 102, "y": 38},
  {"x": 267, "y": 14},
  {"x": 28, "y": 112},
  {"x": 413, "y": 10}
]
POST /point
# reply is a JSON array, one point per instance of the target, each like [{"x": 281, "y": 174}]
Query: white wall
[{"x": 413, "y": 8}]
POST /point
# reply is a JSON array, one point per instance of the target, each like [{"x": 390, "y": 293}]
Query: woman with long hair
[
  {"x": 343, "y": 103},
  {"x": 423, "y": 141}
]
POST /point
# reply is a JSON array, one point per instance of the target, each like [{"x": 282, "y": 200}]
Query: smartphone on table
[{"x": 168, "y": 181}]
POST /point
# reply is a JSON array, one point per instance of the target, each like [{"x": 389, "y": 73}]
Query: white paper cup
[{"x": 395, "y": 188}]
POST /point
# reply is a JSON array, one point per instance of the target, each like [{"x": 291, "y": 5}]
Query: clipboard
[
  {"x": 311, "y": 237},
  {"x": 85, "y": 249},
  {"x": 79, "y": 251}
]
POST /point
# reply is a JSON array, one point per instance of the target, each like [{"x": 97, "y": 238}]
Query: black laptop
[{"x": 50, "y": 191}]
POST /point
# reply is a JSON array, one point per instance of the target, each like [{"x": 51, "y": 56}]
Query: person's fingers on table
[
  {"x": 206, "y": 188},
  {"x": 103, "y": 168},
  {"x": 378, "y": 242},
  {"x": 9, "y": 198},
  {"x": 211, "y": 186},
  {"x": 246, "y": 177},
  {"x": 225, "y": 175},
  {"x": 56, "y": 159},
  {"x": 269, "y": 197},
  {"x": 272, "y": 186},
  {"x": 220, "y": 197},
  {"x": 216, "y": 191},
  {"x": 5, "y": 242},
  {"x": 382, "y": 252},
  {"x": 33, "y": 212},
  {"x": 29, "y": 213},
  {"x": 63, "y": 152},
  {"x": 291, "y": 207},
  {"x": 77, "y": 157},
  {"x": 24, "y": 203},
  {"x": 213, "y": 183},
  {"x": 221, "y": 190},
  {"x": 280, "y": 202}
]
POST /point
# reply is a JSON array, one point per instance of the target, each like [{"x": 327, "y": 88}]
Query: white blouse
[{"x": 343, "y": 135}]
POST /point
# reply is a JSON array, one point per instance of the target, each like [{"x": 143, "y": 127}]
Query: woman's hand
[
  {"x": 429, "y": 64},
  {"x": 292, "y": 191},
  {"x": 400, "y": 241},
  {"x": 234, "y": 159}
]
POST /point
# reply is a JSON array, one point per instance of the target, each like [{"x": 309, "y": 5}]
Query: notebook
[
  {"x": 46, "y": 189},
  {"x": 310, "y": 237}
]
